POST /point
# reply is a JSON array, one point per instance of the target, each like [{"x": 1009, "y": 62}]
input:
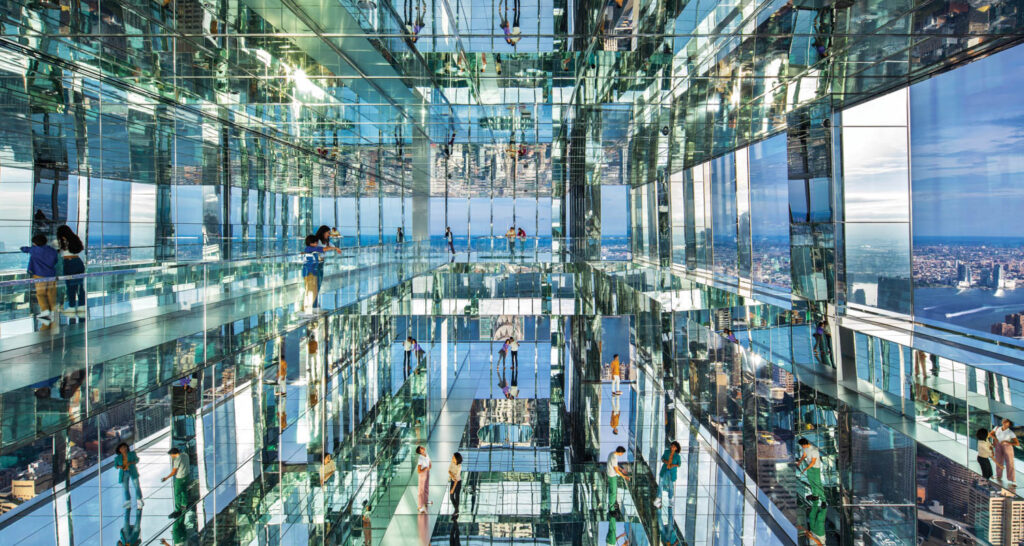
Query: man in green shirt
[{"x": 180, "y": 472}]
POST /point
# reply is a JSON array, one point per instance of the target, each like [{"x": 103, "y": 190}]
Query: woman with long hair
[
  {"x": 70, "y": 249},
  {"x": 127, "y": 463},
  {"x": 323, "y": 234}
]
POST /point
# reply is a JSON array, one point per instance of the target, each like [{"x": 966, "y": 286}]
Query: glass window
[
  {"x": 967, "y": 159},
  {"x": 769, "y": 215}
]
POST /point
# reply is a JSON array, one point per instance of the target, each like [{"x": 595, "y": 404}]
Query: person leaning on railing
[{"x": 42, "y": 264}]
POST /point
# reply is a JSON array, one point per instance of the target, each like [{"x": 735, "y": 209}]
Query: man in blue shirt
[
  {"x": 42, "y": 263},
  {"x": 314, "y": 254},
  {"x": 671, "y": 461}
]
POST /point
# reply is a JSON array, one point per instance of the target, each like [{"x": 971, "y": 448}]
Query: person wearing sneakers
[
  {"x": 614, "y": 473},
  {"x": 423, "y": 472},
  {"x": 1004, "y": 440},
  {"x": 42, "y": 264},
  {"x": 513, "y": 347},
  {"x": 616, "y": 369},
  {"x": 180, "y": 469},
  {"x": 127, "y": 463}
]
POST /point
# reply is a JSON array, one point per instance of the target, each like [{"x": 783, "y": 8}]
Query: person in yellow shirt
[{"x": 616, "y": 367}]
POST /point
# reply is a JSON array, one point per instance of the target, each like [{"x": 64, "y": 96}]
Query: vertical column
[{"x": 421, "y": 173}]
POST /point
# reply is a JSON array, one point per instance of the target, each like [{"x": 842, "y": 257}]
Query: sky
[{"x": 967, "y": 149}]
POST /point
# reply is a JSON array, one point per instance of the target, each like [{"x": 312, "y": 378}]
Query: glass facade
[{"x": 504, "y": 271}]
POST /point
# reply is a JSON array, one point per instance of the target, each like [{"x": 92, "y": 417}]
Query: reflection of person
[
  {"x": 502, "y": 352},
  {"x": 42, "y": 262},
  {"x": 450, "y": 239},
  {"x": 131, "y": 535},
  {"x": 367, "y": 524},
  {"x": 984, "y": 453},
  {"x": 180, "y": 473},
  {"x": 616, "y": 371},
  {"x": 614, "y": 473},
  {"x": 920, "y": 363},
  {"x": 70, "y": 247},
  {"x": 407, "y": 348},
  {"x": 423, "y": 472},
  {"x": 510, "y": 235},
  {"x": 323, "y": 236},
  {"x": 729, "y": 336},
  {"x": 667, "y": 526},
  {"x": 812, "y": 469},
  {"x": 615, "y": 413},
  {"x": 455, "y": 483},
  {"x": 816, "y": 524},
  {"x": 400, "y": 236},
  {"x": 312, "y": 257},
  {"x": 612, "y": 536},
  {"x": 420, "y": 353},
  {"x": 127, "y": 463},
  {"x": 327, "y": 469},
  {"x": 1005, "y": 441},
  {"x": 672, "y": 460},
  {"x": 513, "y": 347}
]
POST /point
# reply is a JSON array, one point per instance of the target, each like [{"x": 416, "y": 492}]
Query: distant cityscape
[
  {"x": 995, "y": 265},
  {"x": 968, "y": 265}
]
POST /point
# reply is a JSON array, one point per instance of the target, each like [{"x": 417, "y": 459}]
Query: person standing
[
  {"x": 367, "y": 524},
  {"x": 312, "y": 258},
  {"x": 423, "y": 471},
  {"x": 323, "y": 236},
  {"x": 502, "y": 353},
  {"x": 1005, "y": 440},
  {"x": 420, "y": 353},
  {"x": 984, "y": 453},
  {"x": 450, "y": 239},
  {"x": 70, "y": 248},
  {"x": 42, "y": 264},
  {"x": 812, "y": 469},
  {"x": 407, "y": 346},
  {"x": 455, "y": 482},
  {"x": 127, "y": 463},
  {"x": 510, "y": 235},
  {"x": 180, "y": 472},
  {"x": 614, "y": 473},
  {"x": 616, "y": 370},
  {"x": 671, "y": 461},
  {"x": 513, "y": 347}
]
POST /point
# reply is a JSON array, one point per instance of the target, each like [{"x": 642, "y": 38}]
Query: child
[
  {"x": 984, "y": 453},
  {"x": 313, "y": 255},
  {"x": 42, "y": 263}
]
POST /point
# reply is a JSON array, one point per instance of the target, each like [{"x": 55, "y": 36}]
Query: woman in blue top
[{"x": 127, "y": 463}]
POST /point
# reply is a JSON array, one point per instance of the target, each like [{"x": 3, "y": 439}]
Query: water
[{"x": 973, "y": 308}]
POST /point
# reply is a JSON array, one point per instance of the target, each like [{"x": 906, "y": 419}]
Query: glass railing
[{"x": 142, "y": 327}]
